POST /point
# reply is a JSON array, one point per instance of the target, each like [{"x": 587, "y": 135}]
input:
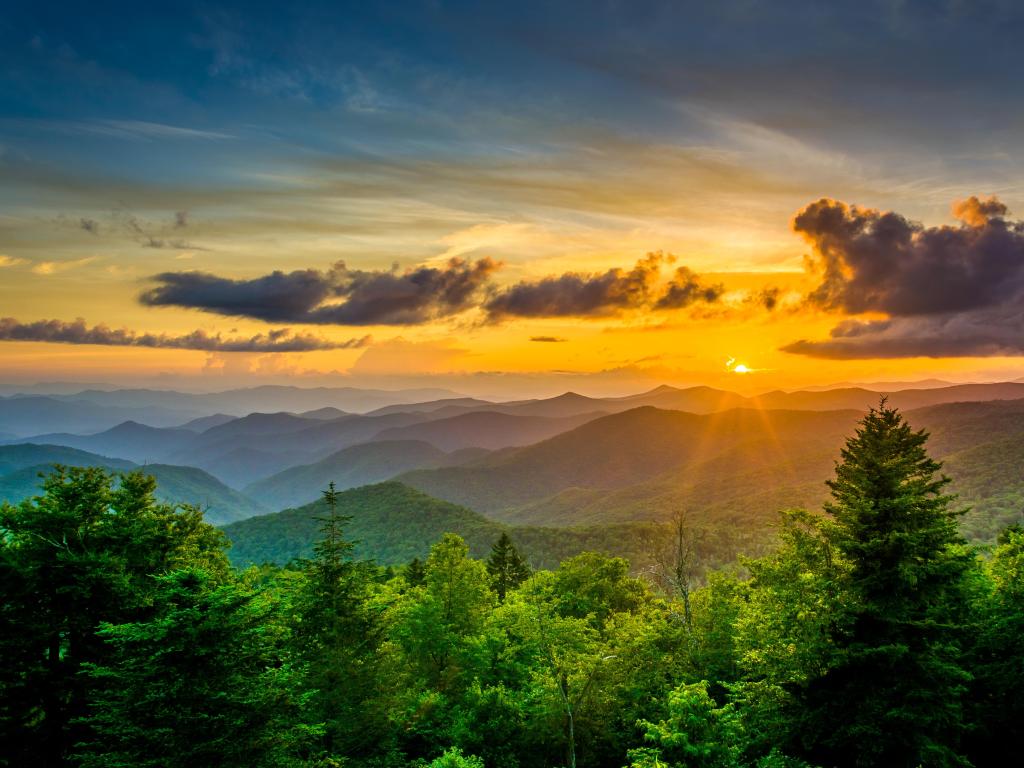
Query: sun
[{"x": 735, "y": 367}]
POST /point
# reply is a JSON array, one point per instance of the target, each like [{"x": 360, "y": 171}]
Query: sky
[{"x": 512, "y": 198}]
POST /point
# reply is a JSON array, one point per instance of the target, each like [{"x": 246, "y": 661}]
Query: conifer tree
[
  {"x": 337, "y": 635},
  {"x": 893, "y": 694},
  {"x": 506, "y": 566}
]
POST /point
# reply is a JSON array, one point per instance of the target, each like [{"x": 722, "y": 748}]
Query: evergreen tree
[
  {"x": 998, "y": 653},
  {"x": 82, "y": 553},
  {"x": 204, "y": 682},
  {"x": 415, "y": 573},
  {"x": 337, "y": 637},
  {"x": 893, "y": 693},
  {"x": 506, "y": 566}
]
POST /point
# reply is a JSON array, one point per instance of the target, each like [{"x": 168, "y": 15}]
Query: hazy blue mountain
[
  {"x": 22, "y": 465},
  {"x": 325, "y": 414},
  {"x": 128, "y": 440},
  {"x": 33, "y": 415},
  {"x": 265, "y": 399},
  {"x": 357, "y": 465},
  {"x": 486, "y": 429},
  {"x": 204, "y": 423},
  {"x": 19, "y": 456}
]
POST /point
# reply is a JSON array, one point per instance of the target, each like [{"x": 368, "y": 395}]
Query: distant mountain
[
  {"x": 265, "y": 399},
  {"x": 350, "y": 467},
  {"x": 20, "y": 456},
  {"x": 204, "y": 423},
  {"x": 22, "y": 465},
  {"x": 326, "y": 414},
  {"x": 738, "y": 467},
  {"x": 25, "y": 415},
  {"x": 705, "y": 400},
  {"x": 257, "y": 424},
  {"x": 486, "y": 429},
  {"x": 128, "y": 440},
  {"x": 432, "y": 405},
  {"x": 393, "y": 523}
]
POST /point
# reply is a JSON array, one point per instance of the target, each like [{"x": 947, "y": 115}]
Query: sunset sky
[{"x": 512, "y": 198}]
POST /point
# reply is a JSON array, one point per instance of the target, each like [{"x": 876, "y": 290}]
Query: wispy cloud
[
  {"x": 142, "y": 130},
  {"x": 11, "y": 261},
  {"x": 56, "y": 267}
]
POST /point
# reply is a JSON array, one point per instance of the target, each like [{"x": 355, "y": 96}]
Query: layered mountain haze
[
  {"x": 22, "y": 468},
  {"x": 565, "y": 461}
]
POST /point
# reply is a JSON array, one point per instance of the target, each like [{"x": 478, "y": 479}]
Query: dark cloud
[
  {"x": 948, "y": 291},
  {"x": 577, "y": 294},
  {"x": 382, "y": 297},
  {"x": 56, "y": 331},
  {"x": 548, "y": 339},
  {"x": 767, "y": 297},
  {"x": 685, "y": 289},
  {"x": 89, "y": 225},
  {"x": 984, "y": 333},
  {"x": 175, "y": 242},
  {"x": 873, "y": 261},
  {"x": 180, "y": 219}
]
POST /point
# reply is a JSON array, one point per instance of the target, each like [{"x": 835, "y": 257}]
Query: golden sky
[{"x": 417, "y": 208}]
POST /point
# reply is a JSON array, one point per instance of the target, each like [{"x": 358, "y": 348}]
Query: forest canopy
[{"x": 872, "y": 635}]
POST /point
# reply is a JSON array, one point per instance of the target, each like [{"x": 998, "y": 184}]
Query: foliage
[
  {"x": 869, "y": 635},
  {"x": 204, "y": 682},
  {"x": 82, "y": 554}
]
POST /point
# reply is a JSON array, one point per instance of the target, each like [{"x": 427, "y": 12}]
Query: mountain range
[{"x": 552, "y": 464}]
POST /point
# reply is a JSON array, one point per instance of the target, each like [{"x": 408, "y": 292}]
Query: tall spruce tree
[
  {"x": 506, "y": 566},
  {"x": 893, "y": 695},
  {"x": 337, "y": 637}
]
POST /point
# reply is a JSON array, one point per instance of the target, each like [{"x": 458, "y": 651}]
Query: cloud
[
  {"x": 77, "y": 332},
  {"x": 578, "y": 294},
  {"x": 11, "y": 261},
  {"x": 369, "y": 297},
  {"x": 768, "y": 297},
  {"x": 141, "y": 130},
  {"x": 685, "y": 289},
  {"x": 180, "y": 219},
  {"x": 873, "y": 261},
  {"x": 548, "y": 339},
  {"x": 89, "y": 225},
  {"x": 985, "y": 333},
  {"x": 976, "y": 213},
  {"x": 945, "y": 291},
  {"x": 55, "y": 267}
]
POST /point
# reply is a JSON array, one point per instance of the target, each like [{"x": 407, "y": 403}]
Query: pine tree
[
  {"x": 415, "y": 573},
  {"x": 337, "y": 636},
  {"x": 506, "y": 566},
  {"x": 893, "y": 697},
  {"x": 205, "y": 681}
]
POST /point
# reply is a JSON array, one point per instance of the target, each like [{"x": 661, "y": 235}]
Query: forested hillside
[
  {"x": 392, "y": 523},
  {"x": 870, "y": 635}
]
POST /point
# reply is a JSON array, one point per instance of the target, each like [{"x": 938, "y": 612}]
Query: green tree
[
  {"x": 204, "y": 682},
  {"x": 997, "y": 657},
  {"x": 892, "y": 694},
  {"x": 506, "y": 567},
  {"x": 337, "y": 637},
  {"x": 697, "y": 733},
  {"x": 82, "y": 553}
]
